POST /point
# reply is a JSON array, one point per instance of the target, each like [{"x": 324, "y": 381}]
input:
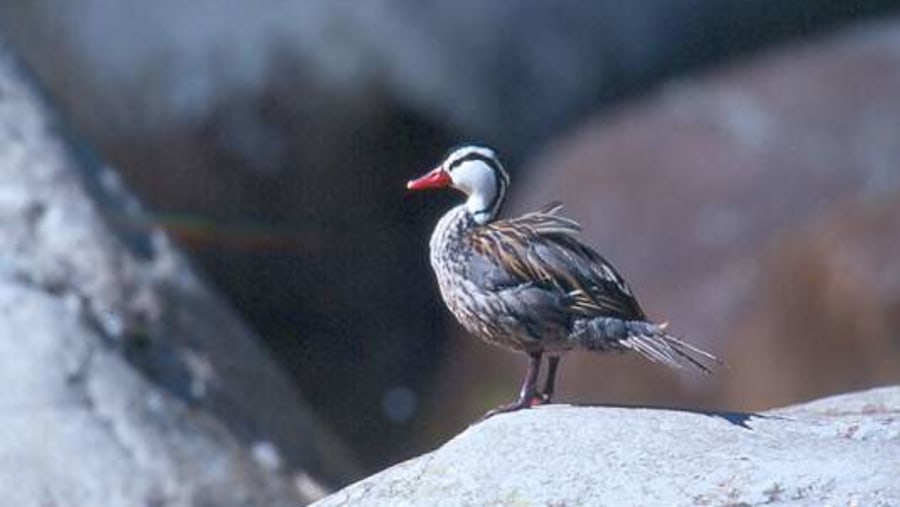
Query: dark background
[{"x": 737, "y": 160}]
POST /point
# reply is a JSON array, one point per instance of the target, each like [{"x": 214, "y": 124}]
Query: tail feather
[{"x": 646, "y": 338}]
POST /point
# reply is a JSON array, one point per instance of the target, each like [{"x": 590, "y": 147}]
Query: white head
[{"x": 475, "y": 171}]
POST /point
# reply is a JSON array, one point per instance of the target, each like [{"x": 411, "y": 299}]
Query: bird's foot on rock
[{"x": 532, "y": 400}]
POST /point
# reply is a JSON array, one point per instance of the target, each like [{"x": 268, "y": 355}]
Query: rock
[
  {"x": 756, "y": 209},
  {"x": 836, "y": 451},
  {"x": 126, "y": 380},
  {"x": 823, "y": 317},
  {"x": 290, "y": 197},
  {"x": 512, "y": 73}
]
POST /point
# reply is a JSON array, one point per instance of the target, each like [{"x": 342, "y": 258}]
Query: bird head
[{"x": 474, "y": 171}]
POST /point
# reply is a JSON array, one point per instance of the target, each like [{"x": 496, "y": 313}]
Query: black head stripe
[
  {"x": 490, "y": 161},
  {"x": 502, "y": 185}
]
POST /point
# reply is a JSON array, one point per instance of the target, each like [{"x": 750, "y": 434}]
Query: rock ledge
[{"x": 841, "y": 450}]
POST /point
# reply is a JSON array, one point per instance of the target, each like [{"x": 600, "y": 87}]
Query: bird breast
[
  {"x": 448, "y": 259},
  {"x": 500, "y": 317}
]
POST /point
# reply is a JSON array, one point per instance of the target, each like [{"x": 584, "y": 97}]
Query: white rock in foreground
[
  {"x": 843, "y": 450},
  {"x": 125, "y": 380}
]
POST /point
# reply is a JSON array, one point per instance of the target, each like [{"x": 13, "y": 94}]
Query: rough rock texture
[
  {"x": 836, "y": 451},
  {"x": 125, "y": 380}
]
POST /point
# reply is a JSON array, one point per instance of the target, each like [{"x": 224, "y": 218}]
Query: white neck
[
  {"x": 478, "y": 181},
  {"x": 477, "y": 205}
]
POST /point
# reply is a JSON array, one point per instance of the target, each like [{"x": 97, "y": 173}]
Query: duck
[{"x": 530, "y": 285}]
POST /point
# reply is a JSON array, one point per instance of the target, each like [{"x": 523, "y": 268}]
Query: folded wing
[{"x": 541, "y": 250}]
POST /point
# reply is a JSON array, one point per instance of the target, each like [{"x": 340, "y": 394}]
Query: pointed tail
[{"x": 646, "y": 338}]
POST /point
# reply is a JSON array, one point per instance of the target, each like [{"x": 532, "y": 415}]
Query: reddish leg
[
  {"x": 528, "y": 395},
  {"x": 550, "y": 382}
]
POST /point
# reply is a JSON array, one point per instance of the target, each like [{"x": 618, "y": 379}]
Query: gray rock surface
[
  {"x": 125, "y": 380},
  {"x": 841, "y": 450}
]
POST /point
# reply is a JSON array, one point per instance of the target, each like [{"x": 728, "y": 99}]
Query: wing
[{"x": 541, "y": 250}]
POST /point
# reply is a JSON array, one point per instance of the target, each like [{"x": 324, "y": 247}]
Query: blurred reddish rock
[
  {"x": 825, "y": 316},
  {"x": 754, "y": 208}
]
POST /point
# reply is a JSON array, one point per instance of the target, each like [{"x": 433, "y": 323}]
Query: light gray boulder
[
  {"x": 125, "y": 380},
  {"x": 842, "y": 450}
]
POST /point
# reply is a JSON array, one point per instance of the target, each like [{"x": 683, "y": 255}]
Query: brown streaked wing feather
[{"x": 542, "y": 248}]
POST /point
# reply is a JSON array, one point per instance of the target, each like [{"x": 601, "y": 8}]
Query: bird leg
[
  {"x": 550, "y": 382},
  {"x": 528, "y": 395}
]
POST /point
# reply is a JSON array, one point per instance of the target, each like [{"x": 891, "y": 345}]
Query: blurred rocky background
[
  {"x": 127, "y": 381},
  {"x": 737, "y": 160}
]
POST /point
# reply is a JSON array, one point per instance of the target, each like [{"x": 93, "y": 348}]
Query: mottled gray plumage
[{"x": 529, "y": 284}]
